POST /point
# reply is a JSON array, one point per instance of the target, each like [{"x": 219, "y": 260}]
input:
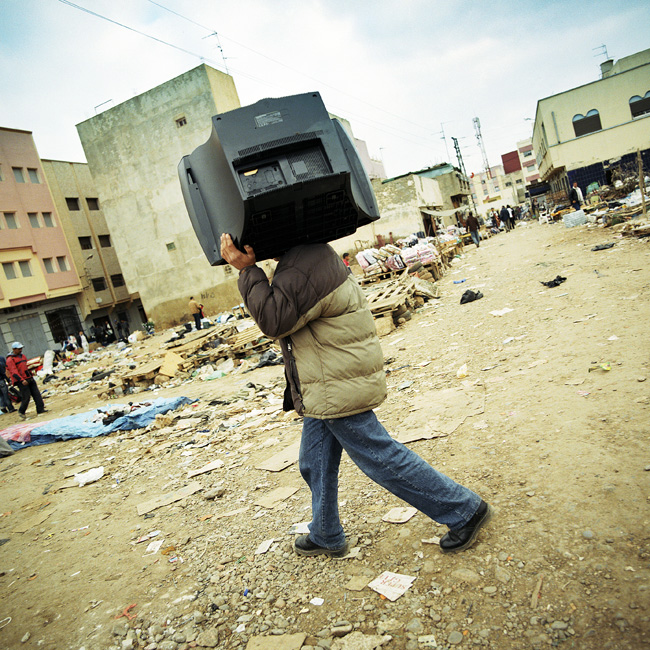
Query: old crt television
[{"x": 275, "y": 174}]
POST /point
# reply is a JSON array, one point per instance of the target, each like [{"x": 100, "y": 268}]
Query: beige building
[
  {"x": 584, "y": 134},
  {"x": 496, "y": 189},
  {"x": 133, "y": 151},
  {"x": 39, "y": 285},
  {"x": 106, "y": 298}
]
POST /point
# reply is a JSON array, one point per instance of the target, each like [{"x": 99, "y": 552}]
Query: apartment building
[
  {"x": 39, "y": 284},
  {"x": 585, "y": 134},
  {"x": 133, "y": 151},
  {"x": 496, "y": 189},
  {"x": 105, "y": 298}
]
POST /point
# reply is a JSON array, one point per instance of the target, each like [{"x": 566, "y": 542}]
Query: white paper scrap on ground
[
  {"x": 300, "y": 529},
  {"x": 501, "y": 312},
  {"x": 264, "y": 546},
  {"x": 392, "y": 585},
  {"x": 153, "y": 547},
  {"x": 399, "y": 515},
  {"x": 431, "y": 540},
  {"x": 317, "y": 601}
]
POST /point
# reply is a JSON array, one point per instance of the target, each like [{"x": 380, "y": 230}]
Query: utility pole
[
  {"x": 461, "y": 166},
  {"x": 223, "y": 56},
  {"x": 479, "y": 137}
]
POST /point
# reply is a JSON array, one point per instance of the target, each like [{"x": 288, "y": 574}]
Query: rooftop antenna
[
  {"x": 602, "y": 52},
  {"x": 479, "y": 137},
  {"x": 223, "y": 56}
]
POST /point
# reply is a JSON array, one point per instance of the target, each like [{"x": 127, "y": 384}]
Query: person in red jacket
[{"x": 21, "y": 377}]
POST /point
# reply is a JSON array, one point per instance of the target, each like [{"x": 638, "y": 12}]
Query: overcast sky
[{"x": 400, "y": 70}]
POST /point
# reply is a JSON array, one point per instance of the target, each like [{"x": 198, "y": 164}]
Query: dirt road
[{"x": 549, "y": 424}]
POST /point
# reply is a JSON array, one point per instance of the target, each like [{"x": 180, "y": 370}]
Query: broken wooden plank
[
  {"x": 171, "y": 363},
  {"x": 215, "y": 464}
]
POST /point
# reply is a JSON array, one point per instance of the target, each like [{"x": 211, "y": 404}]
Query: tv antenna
[
  {"x": 603, "y": 51},
  {"x": 461, "y": 166},
  {"x": 223, "y": 56}
]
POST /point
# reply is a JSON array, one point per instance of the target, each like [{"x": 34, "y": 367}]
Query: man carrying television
[{"x": 335, "y": 378}]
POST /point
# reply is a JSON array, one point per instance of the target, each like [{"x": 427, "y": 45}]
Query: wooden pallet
[
  {"x": 388, "y": 298},
  {"x": 250, "y": 338}
]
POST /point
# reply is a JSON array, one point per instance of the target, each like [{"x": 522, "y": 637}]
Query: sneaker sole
[
  {"x": 322, "y": 551},
  {"x": 486, "y": 517}
]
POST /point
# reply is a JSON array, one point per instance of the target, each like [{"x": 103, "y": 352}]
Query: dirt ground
[{"x": 557, "y": 443}]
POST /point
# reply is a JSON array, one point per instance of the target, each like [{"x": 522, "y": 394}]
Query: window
[
  {"x": 99, "y": 284},
  {"x": 518, "y": 182},
  {"x": 47, "y": 263},
  {"x": 62, "y": 262},
  {"x": 508, "y": 184},
  {"x": 181, "y": 121},
  {"x": 528, "y": 154},
  {"x": 33, "y": 219},
  {"x": 117, "y": 280},
  {"x": 93, "y": 204},
  {"x": 72, "y": 202},
  {"x": 10, "y": 270},
  {"x": 105, "y": 241},
  {"x": 640, "y": 105},
  {"x": 10, "y": 218},
  {"x": 18, "y": 174},
  {"x": 47, "y": 219},
  {"x": 33, "y": 175},
  {"x": 589, "y": 123},
  {"x": 25, "y": 268},
  {"x": 86, "y": 243}
]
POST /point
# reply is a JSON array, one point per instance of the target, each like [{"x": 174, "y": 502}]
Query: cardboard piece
[
  {"x": 399, "y": 515},
  {"x": 440, "y": 414},
  {"x": 264, "y": 546},
  {"x": 170, "y": 497},
  {"x": 392, "y": 585},
  {"x": 281, "y": 460},
  {"x": 215, "y": 464},
  {"x": 231, "y": 513},
  {"x": 357, "y": 583},
  {"x": 275, "y": 497},
  {"x": 171, "y": 363}
]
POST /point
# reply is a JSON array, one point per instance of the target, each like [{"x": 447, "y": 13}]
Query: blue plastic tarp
[{"x": 83, "y": 426}]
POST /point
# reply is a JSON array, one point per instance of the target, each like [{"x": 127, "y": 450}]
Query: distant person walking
[
  {"x": 5, "y": 401},
  {"x": 84, "y": 342},
  {"x": 195, "y": 310},
  {"x": 575, "y": 196},
  {"x": 505, "y": 218},
  {"x": 472, "y": 227},
  {"x": 21, "y": 377}
]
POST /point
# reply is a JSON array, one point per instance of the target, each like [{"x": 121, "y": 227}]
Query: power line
[
  {"x": 284, "y": 65},
  {"x": 388, "y": 129}
]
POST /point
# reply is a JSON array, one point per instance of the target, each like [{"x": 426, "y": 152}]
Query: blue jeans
[
  {"x": 386, "y": 461},
  {"x": 475, "y": 237}
]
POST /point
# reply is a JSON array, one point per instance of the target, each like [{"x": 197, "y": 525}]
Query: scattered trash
[
  {"x": 555, "y": 282},
  {"x": 153, "y": 547},
  {"x": 501, "y": 312},
  {"x": 144, "y": 538},
  {"x": 300, "y": 529},
  {"x": 168, "y": 498},
  {"x": 125, "y": 612},
  {"x": 460, "y": 281},
  {"x": 405, "y": 385},
  {"x": 392, "y": 585},
  {"x": 603, "y": 366},
  {"x": 462, "y": 372},
  {"x": 317, "y": 601},
  {"x": 263, "y": 548},
  {"x": 275, "y": 497},
  {"x": 470, "y": 296},
  {"x": 399, "y": 515},
  {"x": 215, "y": 464},
  {"x": 613, "y": 338},
  {"x": 90, "y": 476},
  {"x": 602, "y": 247}
]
